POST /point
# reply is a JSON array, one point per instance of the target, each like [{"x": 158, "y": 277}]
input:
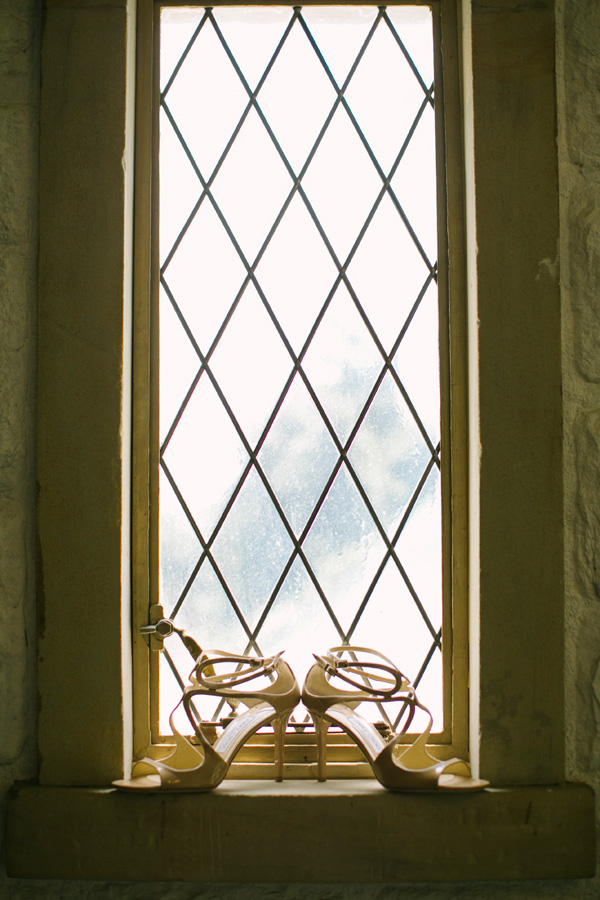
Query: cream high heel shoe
[
  {"x": 203, "y": 767},
  {"x": 397, "y": 766}
]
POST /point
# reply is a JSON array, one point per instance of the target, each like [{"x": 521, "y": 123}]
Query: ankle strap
[
  {"x": 366, "y": 671},
  {"x": 245, "y": 669}
]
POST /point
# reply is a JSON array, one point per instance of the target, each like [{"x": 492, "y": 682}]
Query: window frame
[
  {"x": 453, "y": 740},
  {"x": 544, "y": 828}
]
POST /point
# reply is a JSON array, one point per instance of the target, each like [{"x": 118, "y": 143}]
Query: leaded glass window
[{"x": 298, "y": 418}]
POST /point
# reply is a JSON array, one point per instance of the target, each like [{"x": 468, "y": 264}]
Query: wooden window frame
[{"x": 453, "y": 740}]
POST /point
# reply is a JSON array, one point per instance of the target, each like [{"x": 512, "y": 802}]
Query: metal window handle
[{"x": 163, "y": 628}]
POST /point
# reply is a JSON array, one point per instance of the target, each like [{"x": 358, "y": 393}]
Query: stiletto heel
[
  {"x": 279, "y": 727},
  {"x": 321, "y": 728},
  {"x": 202, "y": 767},
  {"x": 374, "y": 678}
]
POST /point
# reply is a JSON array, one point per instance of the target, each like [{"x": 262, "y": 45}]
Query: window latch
[{"x": 158, "y": 627}]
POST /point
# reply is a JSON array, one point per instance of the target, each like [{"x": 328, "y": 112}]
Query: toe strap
[{"x": 454, "y": 766}]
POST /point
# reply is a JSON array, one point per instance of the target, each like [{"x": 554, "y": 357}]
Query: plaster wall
[{"x": 578, "y": 86}]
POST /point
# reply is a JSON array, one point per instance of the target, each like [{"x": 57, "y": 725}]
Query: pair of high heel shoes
[{"x": 366, "y": 675}]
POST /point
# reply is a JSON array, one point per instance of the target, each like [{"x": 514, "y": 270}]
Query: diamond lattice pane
[
  {"x": 392, "y": 622},
  {"x": 180, "y": 187},
  {"x": 311, "y": 97},
  {"x": 175, "y": 382},
  {"x": 205, "y": 456},
  {"x": 205, "y": 275},
  {"x": 418, "y": 195},
  {"x": 252, "y": 548},
  {"x": 294, "y": 290},
  {"x": 251, "y": 186},
  {"x": 383, "y": 63},
  {"x": 300, "y": 494},
  {"x": 387, "y": 273},
  {"x": 180, "y": 24},
  {"x": 389, "y": 455},
  {"x": 342, "y": 363},
  {"x": 207, "y": 610},
  {"x": 344, "y": 548},
  {"x": 298, "y": 456},
  {"x": 412, "y": 26},
  {"x": 340, "y": 33},
  {"x": 207, "y": 118},
  {"x": 297, "y": 604},
  {"x": 341, "y": 184},
  {"x": 252, "y": 56},
  {"x": 180, "y": 547},
  {"x": 417, "y": 363},
  {"x": 251, "y": 372},
  {"x": 420, "y": 541}
]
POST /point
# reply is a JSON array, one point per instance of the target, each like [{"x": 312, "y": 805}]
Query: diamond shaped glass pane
[
  {"x": 252, "y": 548},
  {"x": 251, "y": 364},
  {"x": 339, "y": 34},
  {"x": 392, "y": 622},
  {"x": 296, "y": 291},
  {"x": 205, "y": 456},
  {"x": 344, "y": 548},
  {"x": 342, "y": 363},
  {"x": 179, "y": 187},
  {"x": 297, "y": 615},
  {"x": 298, "y": 455},
  {"x": 418, "y": 363},
  {"x": 205, "y": 275},
  {"x": 252, "y": 46},
  {"x": 180, "y": 548},
  {"x": 174, "y": 381},
  {"x": 177, "y": 29},
  {"x": 429, "y": 688},
  {"x": 413, "y": 24},
  {"x": 311, "y": 97},
  {"x": 251, "y": 186},
  {"x": 414, "y": 183},
  {"x": 342, "y": 184},
  {"x": 387, "y": 272},
  {"x": 207, "y": 122},
  {"x": 384, "y": 63},
  {"x": 419, "y": 545},
  {"x": 389, "y": 455},
  {"x": 208, "y": 614}
]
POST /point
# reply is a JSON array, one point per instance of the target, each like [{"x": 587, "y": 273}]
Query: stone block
[
  {"x": 18, "y": 174},
  {"x": 583, "y": 713},
  {"x": 18, "y": 291},
  {"x": 582, "y": 81},
  {"x": 19, "y": 47},
  {"x": 584, "y": 276},
  {"x": 13, "y": 653},
  {"x": 587, "y": 522}
]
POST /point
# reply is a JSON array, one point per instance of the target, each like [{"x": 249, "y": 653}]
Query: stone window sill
[{"x": 339, "y": 831}]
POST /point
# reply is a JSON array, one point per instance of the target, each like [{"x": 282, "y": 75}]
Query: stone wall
[
  {"x": 19, "y": 125},
  {"x": 578, "y": 85},
  {"x": 579, "y": 98}
]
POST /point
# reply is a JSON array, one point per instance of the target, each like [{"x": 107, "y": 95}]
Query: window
[{"x": 296, "y": 418}]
